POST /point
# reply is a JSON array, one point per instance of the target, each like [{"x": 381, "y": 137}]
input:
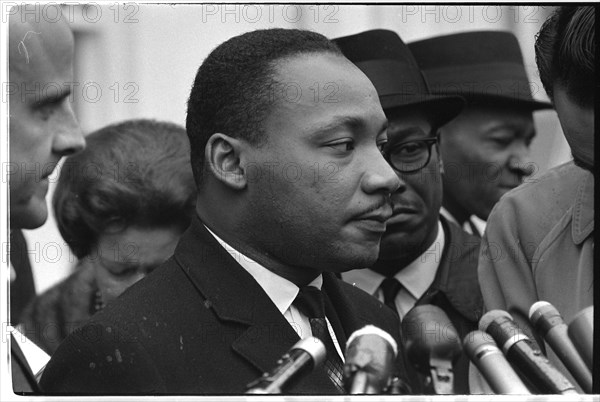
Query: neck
[
  {"x": 232, "y": 233},
  {"x": 409, "y": 253}
]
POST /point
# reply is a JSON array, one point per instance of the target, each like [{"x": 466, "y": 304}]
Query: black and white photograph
[{"x": 310, "y": 200}]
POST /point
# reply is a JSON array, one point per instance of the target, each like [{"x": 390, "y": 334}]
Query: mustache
[{"x": 387, "y": 201}]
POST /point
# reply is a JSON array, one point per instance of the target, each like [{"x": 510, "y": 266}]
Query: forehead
[
  {"x": 316, "y": 89},
  {"x": 321, "y": 79},
  {"x": 408, "y": 118},
  {"x": 39, "y": 52},
  {"x": 485, "y": 112},
  {"x": 577, "y": 122}
]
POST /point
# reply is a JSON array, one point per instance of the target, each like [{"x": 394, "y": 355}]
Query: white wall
[{"x": 151, "y": 53}]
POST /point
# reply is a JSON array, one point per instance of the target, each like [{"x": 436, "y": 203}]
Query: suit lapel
[
  {"x": 235, "y": 296},
  {"x": 348, "y": 318},
  {"x": 457, "y": 274}
]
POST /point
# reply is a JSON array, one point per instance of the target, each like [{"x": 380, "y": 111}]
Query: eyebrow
[
  {"x": 352, "y": 122},
  {"x": 514, "y": 127},
  {"x": 411, "y": 130}
]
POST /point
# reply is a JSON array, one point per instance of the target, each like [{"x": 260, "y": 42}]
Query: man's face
[
  {"x": 578, "y": 126},
  {"x": 418, "y": 199},
  {"x": 42, "y": 125},
  {"x": 320, "y": 194},
  {"x": 485, "y": 151}
]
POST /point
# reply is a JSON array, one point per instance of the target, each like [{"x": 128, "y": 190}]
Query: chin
[
  {"x": 584, "y": 165},
  {"x": 30, "y": 217},
  {"x": 362, "y": 260}
]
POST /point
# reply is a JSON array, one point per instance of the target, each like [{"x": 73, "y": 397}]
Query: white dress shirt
[
  {"x": 415, "y": 278},
  {"x": 281, "y": 292},
  {"x": 36, "y": 357},
  {"x": 478, "y": 223}
]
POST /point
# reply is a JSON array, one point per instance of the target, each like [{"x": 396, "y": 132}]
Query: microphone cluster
[
  {"x": 368, "y": 369},
  {"x": 508, "y": 359},
  {"x": 512, "y": 363},
  {"x": 432, "y": 346}
]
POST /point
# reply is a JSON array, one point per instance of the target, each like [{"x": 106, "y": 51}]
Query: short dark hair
[
  {"x": 234, "y": 86},
  {"x": 564, "y": 52},
  {"x": 137, "y": 172}
]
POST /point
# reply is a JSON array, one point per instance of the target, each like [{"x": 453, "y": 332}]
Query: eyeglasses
[{"x": 409, "y": 156}]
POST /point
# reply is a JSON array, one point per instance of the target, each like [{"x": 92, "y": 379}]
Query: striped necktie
[
  {"x": 390, "y": 288},
  {"x": 310, "y": 303}
]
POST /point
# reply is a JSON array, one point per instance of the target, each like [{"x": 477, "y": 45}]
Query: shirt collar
[
  {"x": 583, "y": 210},
  {"x": 281, "y": 291},
  {"x": 416, "y": 277},
  {"x": 364, "y": 278},
  {"x": 449, "y": 217}
]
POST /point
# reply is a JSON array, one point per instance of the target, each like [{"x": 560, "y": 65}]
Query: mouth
[
  {"x": 400, "y": 209},
  {"x": 48, "y": 170},
  {"x": 508, "y": 187},
  {"x": 375, "y": 218},
  {"x": 379, "y": 213},
  {"x": 401, "y": 214}
]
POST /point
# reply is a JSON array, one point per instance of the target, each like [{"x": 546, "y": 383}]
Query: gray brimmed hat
[
  {"x": 394, "y": 72},
  {"x": 480, "y": 66}
]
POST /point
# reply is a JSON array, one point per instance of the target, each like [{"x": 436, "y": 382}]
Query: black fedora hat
[
  {"x": 394, "y": 72},
  {"x": 479, "y": 65}
]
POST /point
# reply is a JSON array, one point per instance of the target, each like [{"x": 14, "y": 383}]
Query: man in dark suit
[
  {"x": 486, "y": 148},
  {"x": 423, "y": 259},
  {"x": 42, "y": 130},
  {"x": 286, "y": 138}
]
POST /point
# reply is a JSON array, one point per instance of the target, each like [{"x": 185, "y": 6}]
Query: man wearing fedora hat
[
  {"x": 485, "y": 148},
  {"x": 423, "y": 259}
]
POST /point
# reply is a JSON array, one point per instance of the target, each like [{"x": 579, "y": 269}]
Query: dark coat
[
  {"x": 455, "y": 290},
  {"x": 23, "y": 379},
  {"x": 200, "y": 324},
  {"x": 52, "y": 316},
  {"x": 22, "y": 289}
]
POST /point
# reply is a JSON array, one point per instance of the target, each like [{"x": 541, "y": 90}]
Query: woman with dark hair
[{"x": 121, "y": 206}]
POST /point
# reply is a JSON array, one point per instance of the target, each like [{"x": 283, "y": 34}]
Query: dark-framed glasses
[{"x": 409, "y": 156}]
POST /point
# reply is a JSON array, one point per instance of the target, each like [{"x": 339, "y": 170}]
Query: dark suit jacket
[
  {"x": 22, "y": 289},
  {"x": 199, "y": 324},
  {"x": 23, "y": 379},
  {"x": 455, "y": 290}
]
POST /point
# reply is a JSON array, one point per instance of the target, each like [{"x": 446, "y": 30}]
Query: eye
[
  {"x": 503, "y": 141},
  {"x": 46, "y": 111},
  {"x": 342, "y": 146},
  {"x": 410, "y": 148},
  {"x": 381, "y": 145},
  {"x": 125, "y": 271}
]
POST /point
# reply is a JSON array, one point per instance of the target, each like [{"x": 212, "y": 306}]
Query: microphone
[
  {"x": 490, "y": 361},
  {"x": 524, "y": 354},
  {"x": 548, "y": 323},
  {"x": 581, "y": 332},
  {"x": 370, "y": 356},
  {"x": 432, "y": 345},
  {"x": 302, "y": 358}
]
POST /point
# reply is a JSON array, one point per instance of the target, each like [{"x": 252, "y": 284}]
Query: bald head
[{"x": 42, "y": 125}]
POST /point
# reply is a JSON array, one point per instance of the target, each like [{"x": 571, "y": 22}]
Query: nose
[
  {"x": 519, "y": 161},
  {"x": 380, "y": 177},
  {"x": 69, "y": 138}
]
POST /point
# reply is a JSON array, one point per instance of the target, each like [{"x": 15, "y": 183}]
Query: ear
[
  {"x": 222, "y": 155},
  {"x": 441, "y": 166}
]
